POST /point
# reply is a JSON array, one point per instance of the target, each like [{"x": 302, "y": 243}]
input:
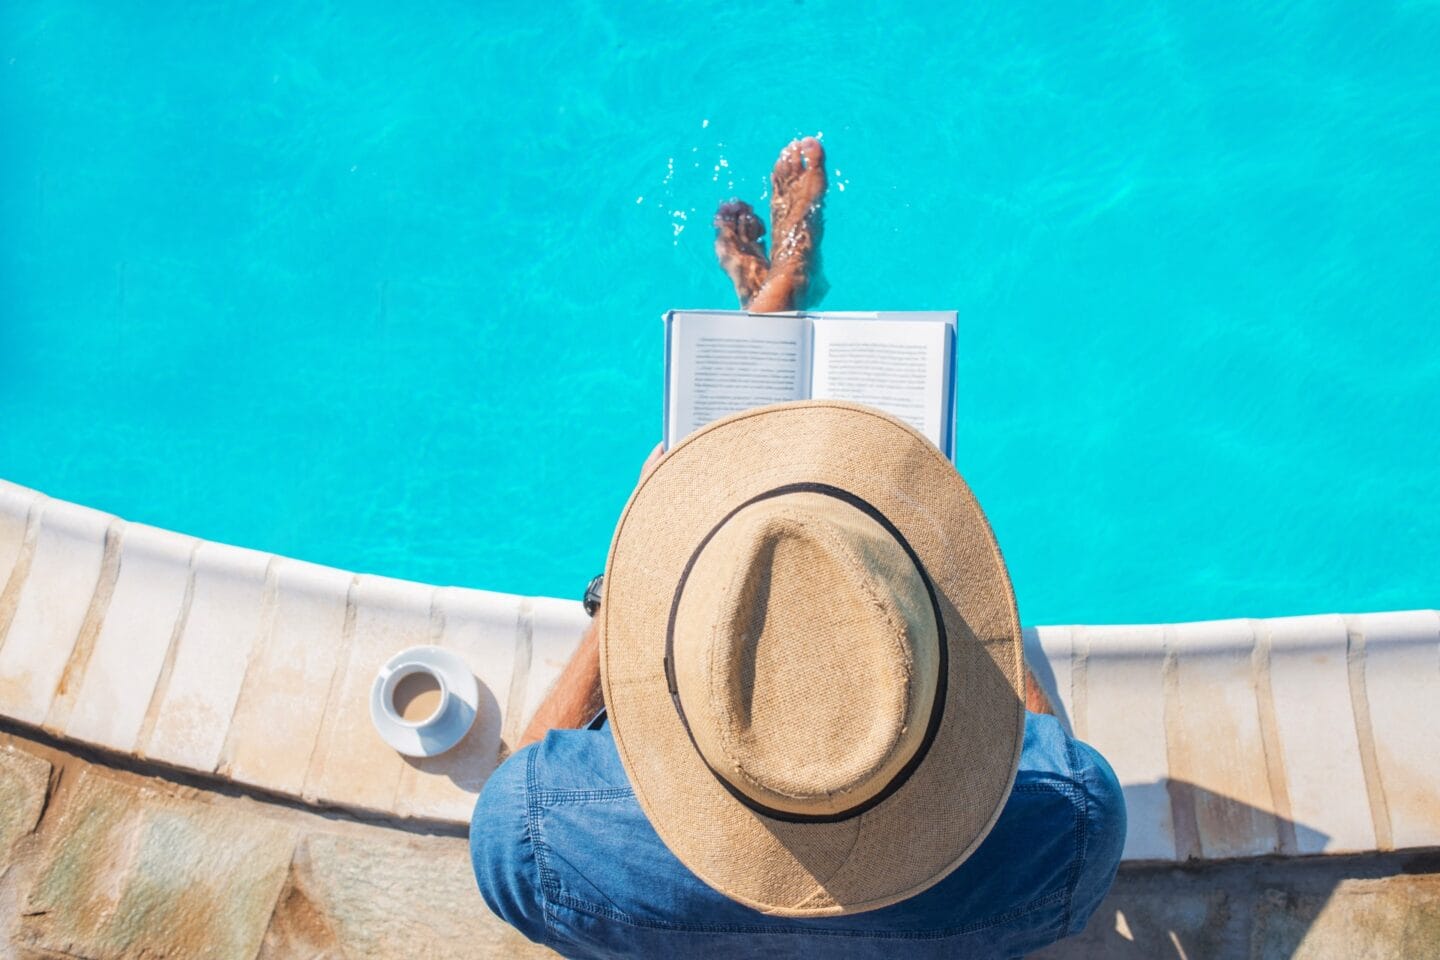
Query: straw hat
[{"x": 811, "y": 659}]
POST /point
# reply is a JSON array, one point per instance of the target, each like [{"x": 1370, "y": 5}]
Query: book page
[
  {"x": 722, "y": 363},
  {"x": 900, "y": 366}
]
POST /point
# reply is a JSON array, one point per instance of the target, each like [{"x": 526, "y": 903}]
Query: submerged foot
[
  {"x": 797, "y": 192},
  {"x": 739, "y": 248}
]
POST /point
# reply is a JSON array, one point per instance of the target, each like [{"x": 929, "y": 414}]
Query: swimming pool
[{"x": 381, "y": 288}]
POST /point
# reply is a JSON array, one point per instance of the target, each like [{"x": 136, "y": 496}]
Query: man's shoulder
[
  {"x": 578, "y": 760},
  {"x": 565, "y": 764},
  {"x": 1054, "y": 762},
  {"x": 1053, "y": 755}
]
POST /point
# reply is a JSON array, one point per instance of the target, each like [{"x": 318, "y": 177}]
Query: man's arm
[
  {"x": 1035, "y": 699},
  {"x": 576, "y": 696}
]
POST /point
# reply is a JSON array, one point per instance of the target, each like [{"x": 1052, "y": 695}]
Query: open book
[{"x": 718, "y": 362}]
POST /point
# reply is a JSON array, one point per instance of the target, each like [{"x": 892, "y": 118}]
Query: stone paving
[{"x": 111, "y": 864}]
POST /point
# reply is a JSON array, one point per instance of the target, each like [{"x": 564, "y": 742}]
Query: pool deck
[{"x": 152, "y": 682}]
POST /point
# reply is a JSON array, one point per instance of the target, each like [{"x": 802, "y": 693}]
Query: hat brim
[{"x": 928, "y": 826}]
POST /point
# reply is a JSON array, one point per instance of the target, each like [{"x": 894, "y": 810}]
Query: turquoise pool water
[{"x": 379, "y": 285}]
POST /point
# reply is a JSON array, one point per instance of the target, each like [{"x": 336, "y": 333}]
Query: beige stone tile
[
  {"x": 1310, "y": 687},
  {"x": 16, "y": 503},
  {"x": 1118, "y": 704},
  {"x": 410, "y": 897},
  {"x": 278, "y": 715},
  {"x": 24, "y": 784},
  {"x": 130, "y": 649},
  {"x": 1216, "y": 742},
  {"x": 1394, "y": 918},
  {"x": 1402, "y": 687},
  {"x": 130, "y": 872},
  {"x": 51, "y": 607},
  {"x": 352, "y": 765},
  {"x": 481, "y": 627},
  {"x": 193, "y": 713}
]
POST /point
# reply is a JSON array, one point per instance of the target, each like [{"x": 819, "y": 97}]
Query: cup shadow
[{"x": 470, "y": 762}]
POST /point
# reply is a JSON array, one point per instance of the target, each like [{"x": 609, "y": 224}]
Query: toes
[
  {"x": 730, "y": 212},
  {"x": 751, "y": 227},
  {"x": 798, "y": 177},
  {"x": 797, "y": 157},
  {"x": 812, "y": 152},
  {"x": 814, "y": 155},
  {"x": 790, "y": 164},
  {"x": 736, "y": 218}
]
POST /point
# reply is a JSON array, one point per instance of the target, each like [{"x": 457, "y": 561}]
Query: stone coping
[
  {"x": 1242, "y": 738},
  {"x": 1233, "y": 738}
]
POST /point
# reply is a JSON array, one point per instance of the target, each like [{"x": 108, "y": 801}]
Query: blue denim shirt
[{"x": 563, "y": 852}]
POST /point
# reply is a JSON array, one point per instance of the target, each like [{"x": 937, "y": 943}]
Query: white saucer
[{"x": 444, "y": 731}]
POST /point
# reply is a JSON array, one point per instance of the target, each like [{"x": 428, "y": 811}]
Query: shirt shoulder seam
[
  {"x": 546, "y": 880},
  {"x": 1080, "y": 806}
]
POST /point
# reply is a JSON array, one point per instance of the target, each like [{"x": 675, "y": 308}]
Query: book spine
[
  {"x": 949, "y": 391},
  {"x": 668, "y": 318}
]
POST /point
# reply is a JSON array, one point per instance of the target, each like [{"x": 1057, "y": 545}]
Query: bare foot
[
  {"x": 739, "y": 248},
  {"x": 797, "y": 191}
]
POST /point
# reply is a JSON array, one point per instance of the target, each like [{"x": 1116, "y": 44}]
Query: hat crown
[{"x": 806, "y": 654}]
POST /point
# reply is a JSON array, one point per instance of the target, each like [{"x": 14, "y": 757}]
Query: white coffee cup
[
  {"x": 424, "y": 700},
  {"x": 415, "y": 695}
]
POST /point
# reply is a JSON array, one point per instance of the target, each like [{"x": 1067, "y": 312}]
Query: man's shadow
[
  {"x": 1196, "y": 909},
  {"x": 1253, "y": 907}
]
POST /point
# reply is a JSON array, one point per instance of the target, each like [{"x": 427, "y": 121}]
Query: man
[{"x": 817, "y": 741}]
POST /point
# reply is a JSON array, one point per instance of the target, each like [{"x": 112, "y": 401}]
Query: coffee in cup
[{"x": 415, "y": 695}]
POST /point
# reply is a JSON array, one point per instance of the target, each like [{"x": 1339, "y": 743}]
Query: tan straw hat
[{"x": 812, "y": 659}]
